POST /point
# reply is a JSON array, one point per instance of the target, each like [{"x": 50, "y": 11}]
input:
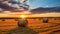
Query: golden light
[{"x": 23, "y": 16}]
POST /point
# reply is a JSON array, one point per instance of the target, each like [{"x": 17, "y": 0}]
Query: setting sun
[{"x": 23, "y": 16}]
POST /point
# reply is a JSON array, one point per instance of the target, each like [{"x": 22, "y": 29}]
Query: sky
[
  {"x": 40, "y": 3},
  {"x": 43, "y": 3}
]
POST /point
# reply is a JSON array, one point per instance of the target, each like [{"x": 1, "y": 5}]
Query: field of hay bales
[{"x": 36, "y": 25}]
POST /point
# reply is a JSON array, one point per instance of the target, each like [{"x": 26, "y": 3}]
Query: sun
[{"x": 23, "y": 16}]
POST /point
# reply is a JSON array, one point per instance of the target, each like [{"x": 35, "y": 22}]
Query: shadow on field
[
  {"x": 22, "y": 30},
  {"x": 55, "y": 32}
]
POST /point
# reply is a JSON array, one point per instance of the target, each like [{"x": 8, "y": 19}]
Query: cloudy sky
[
  {"x": 41, "y": 3},
  {"x": 44, "y": 3}
]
